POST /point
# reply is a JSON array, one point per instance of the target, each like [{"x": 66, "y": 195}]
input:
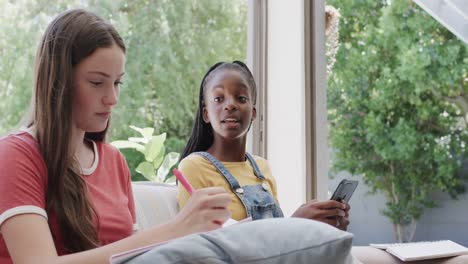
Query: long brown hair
[{"x": 70, "y": 38}]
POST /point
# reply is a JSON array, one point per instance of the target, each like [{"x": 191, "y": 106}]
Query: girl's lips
[
  {"x": 103, "y": 115},
  {"x": 230, "y": 120},
  {"x": 231, "y": 124}
]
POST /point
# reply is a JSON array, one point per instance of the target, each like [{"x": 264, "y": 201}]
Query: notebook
[
  {"x": 124, "y": 256},
  {"x": 423, "y": 250}
]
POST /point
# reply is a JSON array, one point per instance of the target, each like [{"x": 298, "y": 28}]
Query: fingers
[
  {"x": 347, "y": 209},
  {"x": 331, "y": 212},
  {"x": 216, "y": 218},
  {"x": 207, "y": 209},
  {"x": 343, "y": 223},
  {"x": 320, "y": 210},
  {"x": 209, "y": 191},
  {"x": 212, "y": 197},
  {"x": 338, "y": 222},
  {"x": 333, "y": 208},
  {"x": 331, "y": 204},
  {"x": 218, "y": 201},
  {"x": 330, "y": 221}
]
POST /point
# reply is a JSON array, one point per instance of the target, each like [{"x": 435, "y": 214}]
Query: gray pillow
[{"x": 276, "y": 240}]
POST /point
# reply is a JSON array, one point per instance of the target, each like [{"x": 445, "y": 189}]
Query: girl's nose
[
  {"x": 111, "y": 97},
  {"x": 230, "y": 105}
]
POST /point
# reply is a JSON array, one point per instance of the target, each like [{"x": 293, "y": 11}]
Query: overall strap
[
  {"x": 220, "y": 167},
  {"x": 257, "y": 171}
]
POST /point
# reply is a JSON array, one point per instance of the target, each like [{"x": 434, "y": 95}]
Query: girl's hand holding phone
[{"x": 331, "y": 212}]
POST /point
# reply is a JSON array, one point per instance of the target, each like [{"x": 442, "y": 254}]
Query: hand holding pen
[{"x": 207, "y": 208}]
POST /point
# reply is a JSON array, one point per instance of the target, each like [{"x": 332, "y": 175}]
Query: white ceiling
[{"x": 453, "y": 14}]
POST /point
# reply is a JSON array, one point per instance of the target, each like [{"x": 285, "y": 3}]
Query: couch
[{"x": 156, "y": 203}]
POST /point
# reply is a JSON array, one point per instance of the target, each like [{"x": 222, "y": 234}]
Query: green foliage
[
  {"x": 157, "y": 163},
  {"x": 170, "y": 45},
  {"x": 391, "y": 98}
]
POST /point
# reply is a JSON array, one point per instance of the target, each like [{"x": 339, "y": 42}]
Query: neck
[
  {"x": 81, "y": 149},
  {"x": 229, "y": 150}
]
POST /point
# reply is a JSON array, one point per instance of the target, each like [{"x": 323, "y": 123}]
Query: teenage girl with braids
[
  {"x": 215, "y": 154},
  {"x": 65, "y": 195}
]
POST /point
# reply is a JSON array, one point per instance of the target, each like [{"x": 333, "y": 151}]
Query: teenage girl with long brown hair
[{"x": 65, "y": 195}]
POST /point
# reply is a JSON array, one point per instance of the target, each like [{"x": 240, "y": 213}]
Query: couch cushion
[
  {"x": 155, "y": 203},
  {"x": 278, "y": 240}
]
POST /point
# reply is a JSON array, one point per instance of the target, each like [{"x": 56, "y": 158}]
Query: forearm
[
  {"x": 29, "y": 239},
  {"x": 25, "y": 253},
  {"x": 102, "y": 254}
]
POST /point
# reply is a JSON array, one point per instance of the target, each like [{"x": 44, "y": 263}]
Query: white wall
[{"x": 286, "y": 111}]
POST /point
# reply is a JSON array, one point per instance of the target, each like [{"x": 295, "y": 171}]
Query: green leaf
[
  {"x": 147, "y": 170},
  {"x": 159, "y": 159},
  {"x": 123, "y": 144},
  {"x": 171, "y": 179},
  {"x": 146, "y": 132},
  {"x": 169, "y": 161},
  {"x": 154, "y": 147},
  {"x": 138, "y": 140}
]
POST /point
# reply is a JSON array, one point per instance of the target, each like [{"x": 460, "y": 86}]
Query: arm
[
  {"x": 330, "y": 212},
  {"x": 206, "y": 209}
]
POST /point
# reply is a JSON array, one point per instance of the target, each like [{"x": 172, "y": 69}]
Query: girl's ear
[
  {"x": 205, "y": 115},
  {"x": 254, "y": 114}
]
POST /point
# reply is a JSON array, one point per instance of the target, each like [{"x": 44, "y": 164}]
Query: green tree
[
  {"x": 22, "y": 24},
  {"x": 395, "y": 103},
  {"x": 170, "y": 46}
]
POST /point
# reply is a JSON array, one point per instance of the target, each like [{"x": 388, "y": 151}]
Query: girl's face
[
  {"x": 97, "y": 81},
  {"x": 228, "y": 104}
]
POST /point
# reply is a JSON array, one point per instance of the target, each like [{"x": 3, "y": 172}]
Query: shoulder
[
  {"x": 259, "y": 159},
  {"x": 192, "y": 161},
  {"x": 108, "y": 148},
  {"x": 108, "y": 151},
  {"x": 19, "y": 146},
  {"x": 18, "y": 141},
  {"x": 262, "y": 163},
  {"x": 195, "y": 166},
  {"x": 22, "y": 167},
  {"x": 110, "y": 157},
  {"x": 263, "y": 166}
]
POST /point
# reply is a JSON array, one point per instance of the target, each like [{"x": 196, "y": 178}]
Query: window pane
[
  {"x": 397, "y": 98},
  {"x": 171, "y": 44}
]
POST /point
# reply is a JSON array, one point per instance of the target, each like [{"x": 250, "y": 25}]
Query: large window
[
  {"x": 396, "y": 102},
  {"x": 171, "y": 44}
]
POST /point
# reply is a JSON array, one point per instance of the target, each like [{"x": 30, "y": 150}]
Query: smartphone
[{"x": 344, "y": 191}]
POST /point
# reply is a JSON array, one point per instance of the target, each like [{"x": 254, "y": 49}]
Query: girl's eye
[
  {"x": 95, "y": 83},
  {"x": 243, "y": 99},
  {"x": 118, "y": 83},
  {"x": 218, "y": 99}
]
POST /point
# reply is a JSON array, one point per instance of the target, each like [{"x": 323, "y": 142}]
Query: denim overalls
[{"x": 258, "y": 202}]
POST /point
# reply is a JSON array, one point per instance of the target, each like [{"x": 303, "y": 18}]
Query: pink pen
[{"x": 183, "y": 180}]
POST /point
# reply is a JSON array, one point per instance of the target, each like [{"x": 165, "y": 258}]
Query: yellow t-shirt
[{"x": 202, "y": 173}]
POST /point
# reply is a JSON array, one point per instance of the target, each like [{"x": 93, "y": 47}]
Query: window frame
[
  {"x": 257, "y": 53},
  {"x": 316, "y": 163},
  {"x": 315, "y": 100}
]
